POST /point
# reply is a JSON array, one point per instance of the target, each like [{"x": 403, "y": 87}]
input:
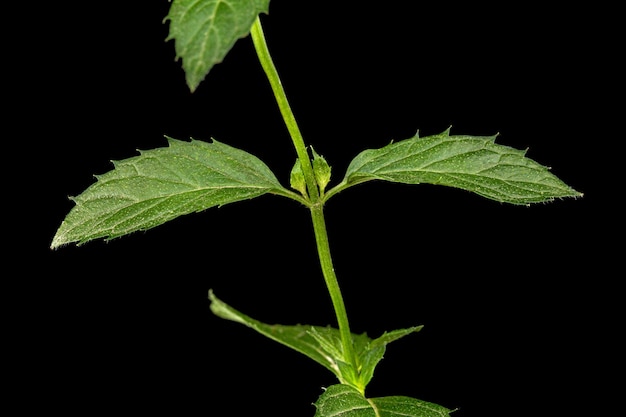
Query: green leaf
[
  {"x": 344, "y": 401},
  {"x": 472, "y": 163},
  {"x": 204, "y": 31},
  {"x": 322, "y": 344},
  {"x": 296, "y": 178},
  {"x": 302, "y": 338},
  {"x": 367, "y": 359},
  {"x": 161, "y": 184},
  {"x": 321, "y": 169}
]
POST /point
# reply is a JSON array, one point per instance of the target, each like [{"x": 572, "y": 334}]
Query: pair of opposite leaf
[
  {"x": 323, "y": 345},
  {"x": 162, "y": 184}
]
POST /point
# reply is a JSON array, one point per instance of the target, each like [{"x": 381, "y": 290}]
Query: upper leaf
[
  {"x": 161, "y": 184},
  {"x": 205, "y": 30},
  {"x": 345, "y": 401},
  {"x": 473, "y": 163}
]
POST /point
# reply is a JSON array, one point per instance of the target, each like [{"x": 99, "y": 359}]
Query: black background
[{"x": 517, "y": 302}]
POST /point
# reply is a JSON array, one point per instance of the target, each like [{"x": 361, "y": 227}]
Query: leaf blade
[
  {"x": 162, "y": 184},
  {"x": 472, "y": 163},
  {"x": 369, "y": 356},
  {"x": 345, "y": 401},
  {"x": 298, "y": 337},
  {"x": 322, "y": 344},
  {"x": 204, "y": 31}
]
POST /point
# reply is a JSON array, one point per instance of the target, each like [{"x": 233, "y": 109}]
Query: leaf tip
[
  {"x": 61, "y": 239},
  {"x": 56, "y": 243},
  {"x": 193, "y": 85}
]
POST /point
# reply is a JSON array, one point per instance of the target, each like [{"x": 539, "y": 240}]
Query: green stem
[
  {"x": 316, "y": 206},
  {"x": 323, "y": 251},
  {"x": 258, "y": 38}
]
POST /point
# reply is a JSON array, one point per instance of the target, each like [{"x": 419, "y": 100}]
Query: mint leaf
[
  {"x": 345, "y": 401},
  {"x": 302, "y": 338},
  {"x": 322, "y": 344},
  {"x": 161, "y": 184},
  {"x": 368, "y": 358},
  {"x": 205, "y": 31},
  {"x": 321, "y": 170},
  {"x": 472, "y": 163}
]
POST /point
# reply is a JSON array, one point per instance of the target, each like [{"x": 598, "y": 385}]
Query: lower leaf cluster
[{"x": 323, "y": 345}]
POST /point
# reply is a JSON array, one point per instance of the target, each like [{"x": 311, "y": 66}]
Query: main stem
[
  {"x": 316, "y": 206},
  {"x": 258, "y": 38}
]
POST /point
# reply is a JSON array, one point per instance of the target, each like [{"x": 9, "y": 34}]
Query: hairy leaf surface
[
  {"x": 204, "y": 31},
  {"x": 472, "y": 163},
  {"x": 345, "y": 401},
  {"x": 161, "y": 184},
  {"x": 322, "y": 344}
]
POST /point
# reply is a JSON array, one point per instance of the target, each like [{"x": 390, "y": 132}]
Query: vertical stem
[
  {"x": 258, "y": 38},
  {"x": 323, "y": 251},
  {"x": 316, "y": 206}
]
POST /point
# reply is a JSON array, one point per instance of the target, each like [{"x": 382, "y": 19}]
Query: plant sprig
[{"x": 186, "y": 177}]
